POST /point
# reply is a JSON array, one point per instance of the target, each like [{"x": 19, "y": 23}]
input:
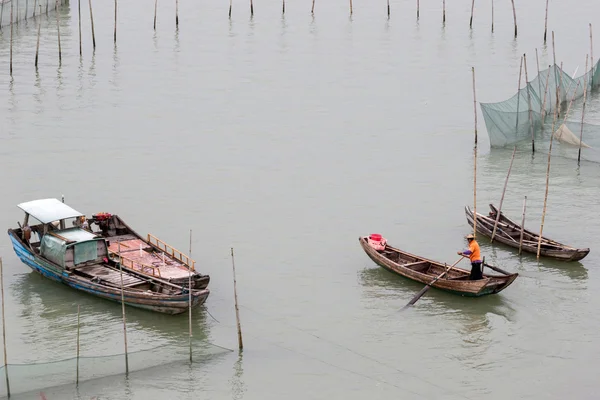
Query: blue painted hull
[{"x": 158, "y": 302}]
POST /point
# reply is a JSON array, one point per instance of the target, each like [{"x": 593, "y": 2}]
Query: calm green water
[{"x": 287, "y": 138}]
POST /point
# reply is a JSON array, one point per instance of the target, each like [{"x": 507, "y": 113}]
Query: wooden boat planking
[
  {"x": 508, "y": 232},
  {"x": 423, "y": 270},
  {"x": 148, "y": 262}
]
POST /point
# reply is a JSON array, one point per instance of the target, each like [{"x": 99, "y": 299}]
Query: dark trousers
[{"x": 476, "y": 271}]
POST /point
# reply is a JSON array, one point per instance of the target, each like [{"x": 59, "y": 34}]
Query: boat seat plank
[{"x": 109, "y": 275}]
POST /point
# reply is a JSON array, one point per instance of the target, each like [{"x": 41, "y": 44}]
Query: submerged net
[
  {"x": 24, "y": 9},
  {"x": 509, "y": 122}
]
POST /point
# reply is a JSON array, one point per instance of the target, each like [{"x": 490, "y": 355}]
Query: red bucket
[{"x": 376, "y": 237}]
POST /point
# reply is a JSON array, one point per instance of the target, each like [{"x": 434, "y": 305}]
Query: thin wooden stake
[
  {"x": 514, "y": 16},
  {"x": 123, "y": 309},
  {"x": 522, "y": 225},
  {"x": 47, "y": 3},
  {"x": 555, "y": 74},
  {"x": 1, "y": 14},
  {"x": 592, "y": 55},
  {"x": 529, "y": 104},
  {"x": 350, "y": 7},
  {"x": 472, "y": 9},
  {"x": 503, "y": 192},
  {"x": 115, "y": 35},
  {"x": 312, "y": 10},
  {"x": 546, "y": 22},
  {"x": 155, "y": 9},
  {"x": 388, "y": 7},
  {"x": 231, "y": 4},
  {"x": 443, "y": 11},
  {"x": 37, "y": 46},
  {"x": 519, "y": 96},
  {"x": 79, "y": 12},
  {"x": 58, "y": 32},
  {"x": 34, "y": 8},
  {"x": 583, "y": 112},
  {"x": 190, "y": 295},
  {"x": 545, "y": 93},
  {"x": 4, "y": 328},
  {"x": 26, "y": 8},
  {"x": 418, "y": 6},
  {"x": 77, "y": 377},
  {"x": 537, "y": 63},
  {"x": 176, "y": 12},
  {"x": 547, "y": 184},
  {"x": 475, "y": 192},
  {"x": 283, "y": 7},
  {"x": 11, "y": 36},
  {"x": 492, "y": 16},
  {"x": 237, "y": 311},
  {"x": 474, "y": 104},
  {"x": 251, "y": 8},
  {"x": 92, "y": 20}
]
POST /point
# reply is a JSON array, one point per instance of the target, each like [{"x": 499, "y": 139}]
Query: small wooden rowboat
[
  {"x": 508, "y": 232},
  {"x": 423, "y": 270}
]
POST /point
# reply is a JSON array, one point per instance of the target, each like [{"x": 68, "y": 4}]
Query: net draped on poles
[{"x": 508, "y": 121}]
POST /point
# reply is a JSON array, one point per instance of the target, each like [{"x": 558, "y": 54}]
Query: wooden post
[
  {"x": 26, "y": 8},
  {"x": 77, "y": 377},
  {"x": 522, "y": 225},
  {"x": 592, "y": 55},
  {"x": 1, "y": 14},
  {"x": 418, "y": 6},
  {"x": 555, "y": 75},
  {"x": 115, "y": 34},
  {"x": 537, "y": 63},
  {"x": 190, "y": 295},
  {"x": 529, "y": 105},
  {"x": 92, "y": 20},
  {"x": 79, "y": 12},
  {"x": 58, "y": 32},
  {"x": 474, "y": 104},
  {"x": 251, "y": 8},
  {"x": 18, "y": 14},
  {"x": 155, "y": 8},
  {"x": 4, "y": 326},
  {"x": 11, "y": 35},
  {"x": 34, "y": 8},
  {"x": 231, "y": 4},
  {"x": 176, "y": 12},
  {"x": 545, "y": 93},
  {"x": 546, "y": 22},
  {"x": 519, "y": 95},
  {"x": 312, "y": 10},
  {"x": 283, "y": 7},
  {"x": 47, "y": 4},
  {"x": 350, "y": 7},
  {"x": 472, "y": 9},
  {"x": 123, "y": 309},
  {"x": 37, "y": 47},
  {"x": 492, "y": 16},
  {"x": 443, "y": 11},
  {"x": 388, "y": 8},
  {"x": 475, "y": 192},
  {"x": 583, "y": 111},
  {"x": 237, "y": 311},
  {"x": 503, "y": 192},
  {"x": 514, "y": 16},
  {"x": 547, "y": 183}
]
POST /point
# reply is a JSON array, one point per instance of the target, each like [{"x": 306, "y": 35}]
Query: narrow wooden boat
[
  {"x": 423, "y": 270},
  {"x": 508, "y": 232},
  {"x": 79, "y": 258},
  {"x": 149, "y": 256}
]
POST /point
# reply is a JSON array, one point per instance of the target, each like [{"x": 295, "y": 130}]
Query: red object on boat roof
[{"x": 375, "y": 236}]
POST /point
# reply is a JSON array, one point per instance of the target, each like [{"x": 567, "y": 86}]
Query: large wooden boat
[
  {"x": 149, "y": 256},
  {"x": 508, "y": 232},
  {"x": 423, "y": 270},
  {"x": 80, "y": 259}
]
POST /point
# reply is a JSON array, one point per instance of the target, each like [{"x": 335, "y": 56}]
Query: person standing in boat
[{"x": 474, "y": 255}]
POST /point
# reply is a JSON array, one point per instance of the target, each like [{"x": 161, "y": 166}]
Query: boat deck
[
  {"x": 110, "y": 276},
  {"x": 130, "y": 249}
]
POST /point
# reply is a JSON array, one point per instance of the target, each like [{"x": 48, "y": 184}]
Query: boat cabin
[{"x": 61, "y": 235}]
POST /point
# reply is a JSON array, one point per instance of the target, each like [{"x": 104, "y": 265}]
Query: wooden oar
[{"x": 426, "y": 288}]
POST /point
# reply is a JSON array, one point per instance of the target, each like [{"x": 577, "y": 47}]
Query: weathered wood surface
[
  {"x": 423, "y": 270},
  {"x": 110, "y": 276}
]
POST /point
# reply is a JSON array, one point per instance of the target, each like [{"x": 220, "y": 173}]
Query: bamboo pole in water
[
  {"x": 26, "y": 8},
  {"x": 47, "y": 3},
  {"x": 492, "y": 16},
  {"x": 475, "y": 192},
  {"x": 155, "y": 9},
  {"x": 92, "y": 21},
  {"x": 4, "y": 328},
  {"x": 190, "y": 295},
  {"x": 283, "y": 7},
  {"x": 251, "y": 8},
  {"x": 79, "y": 12},
  {"x": 592, "y": 55},
  {"x": 176, "y": 12},
  {"x": 312, "y": 10},
  {"x": 350, "y": 7},
  {"x": 546, "y": 22},
  {"x": 37, "y": 46},
  {"x": 522, "y": 225},
  {"x": 77, "y": 377},
  {"x": 123, "y": 309},
  {"x": 58, "y": 33},
  {"x": 529, "y": 104},
  {"x": 537, "y": 63},
  {"x": 237, "y": 311},
  {"x": 388, "y": 7},
  {"x": 11, "y": 36},
  {"x": 472, "y": 9},
  {"x": 519, "y": 95},
  {"x": 1, "y": 14},
  {"x": 418, "y": 6},
  {"x": 582, "y": 111},
  {"x": 514, "y": 16},
  {"x": 443, "y": 11},
  {"x": 503, "y": 192},
  {"x": 115, "y": 34},
  {"x": 555, "y": 72},
  {"x": 474, "y": 104},
  {"x": 34, "y": 8},
  {"x": 545, "y": 93},
  {"x": 231, "y": 4}
]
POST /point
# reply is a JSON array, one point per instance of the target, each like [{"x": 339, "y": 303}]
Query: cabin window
[{"x": 85, "y": 251}]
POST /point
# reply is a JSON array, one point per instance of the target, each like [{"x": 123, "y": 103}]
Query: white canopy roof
[{"x": 48, "y": 210}]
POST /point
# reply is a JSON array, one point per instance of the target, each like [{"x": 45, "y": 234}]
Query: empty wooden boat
[
  {"x": 79, "y": 258},
  {"x": 149, "y": 256},
  {"x": 508, "y": 232},
  {"x": 423, "y": 270}
]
